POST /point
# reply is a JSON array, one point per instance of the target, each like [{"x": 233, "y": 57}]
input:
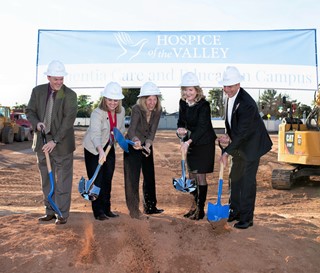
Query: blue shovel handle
[
  {"x": 51, "y": 178},
  {"x": 91, "y": 181},
  {"x": 52, "y": 203},
  {"x": 220, "y": 184}
]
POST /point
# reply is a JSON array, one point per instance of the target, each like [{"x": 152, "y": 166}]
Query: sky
[{"x": 20, "y": 21}]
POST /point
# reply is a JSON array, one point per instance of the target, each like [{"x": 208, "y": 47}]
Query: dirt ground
[{"x": 285, "y": 236}]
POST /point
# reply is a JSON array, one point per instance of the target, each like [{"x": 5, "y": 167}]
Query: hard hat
[
  {"x": 231, "y": 76},
  {"x": 149, "y": 89},
  {"x": 112, "y": 91},
  {"x": 56, "y": 69},
  {"x": 189, "y": 79}
]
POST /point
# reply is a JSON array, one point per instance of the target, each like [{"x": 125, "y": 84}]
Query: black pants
[
  {"x": 134, "y": 162},
  {"x": 103, "y": 180},
  {"x": 243, "y": 187}
]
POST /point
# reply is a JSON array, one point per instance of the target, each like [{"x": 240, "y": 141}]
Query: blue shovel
[
  {"x": 88, "y": 190},
  {"x": 51, "y": 202},
  {"x": 123, "y": 143},
  {"x": 216, "y": 211},
  {"x": 183, "y": 184}
]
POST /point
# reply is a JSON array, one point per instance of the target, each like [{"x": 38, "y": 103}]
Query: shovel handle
[
  {"x": 106, "y": 152},
  {"x": 220, "y": 183},
  {"x": 221, "y": 171},
  {"x": 44, "y": 140},
  {"x": 183, "y": 156},
  {"x": 51, "y": 177}
]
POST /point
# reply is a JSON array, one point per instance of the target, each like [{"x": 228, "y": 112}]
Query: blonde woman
[
  {"x": 108, "y": 115},
  {"x": 194, "y": 125}
]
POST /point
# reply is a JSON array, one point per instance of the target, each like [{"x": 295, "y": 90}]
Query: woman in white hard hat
[
  {"x": 104, "y": 118},
  {"x": 145, "y": 118},
  {"x": 195, "y": 129}
]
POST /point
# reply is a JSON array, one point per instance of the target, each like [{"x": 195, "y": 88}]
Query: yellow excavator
[
  {"x": 299, "y": 146},
  {"x": 9, "y": 129}
]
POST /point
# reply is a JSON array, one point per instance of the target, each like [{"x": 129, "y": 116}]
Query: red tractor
[{"x": 21, "y": 119}]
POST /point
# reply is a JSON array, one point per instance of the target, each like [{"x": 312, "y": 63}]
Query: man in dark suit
[
  {"x": 56, "y": 117},
  {"x": 246, "y": 141}
]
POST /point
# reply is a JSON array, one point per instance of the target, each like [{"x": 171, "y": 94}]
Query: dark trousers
[
  {"x": 62, "y": 171},
  {"x": 243, "y": 187},
  {"x": 134, "y": 162},
  {"x": 103, "y": 179}
]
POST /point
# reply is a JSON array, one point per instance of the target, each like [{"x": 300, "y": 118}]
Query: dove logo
[{"x": 130, "y": 48}]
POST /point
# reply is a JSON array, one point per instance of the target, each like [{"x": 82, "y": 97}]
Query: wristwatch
[{"x": 54, "y": 141}]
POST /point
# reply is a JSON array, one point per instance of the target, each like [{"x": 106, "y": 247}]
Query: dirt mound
[{"x": 285, "y": 236}]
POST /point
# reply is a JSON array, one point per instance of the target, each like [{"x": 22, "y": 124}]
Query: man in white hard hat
[
  {"x": 52, "y": 109},
  {"x": 246, "y": 141}
]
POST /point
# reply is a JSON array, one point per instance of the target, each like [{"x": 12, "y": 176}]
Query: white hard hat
[
  {"x": 231, "y": 76},
  {"x": 56, "y": 69},
  {"x": 112, "y": 91},
  {"x": 189, "y": 79},
  {"x": 149, "y": 89}
]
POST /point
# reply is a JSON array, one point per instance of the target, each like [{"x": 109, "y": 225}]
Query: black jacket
[
  {"x": 249, "y": 136},
  {"x": 197, "y": 120}
]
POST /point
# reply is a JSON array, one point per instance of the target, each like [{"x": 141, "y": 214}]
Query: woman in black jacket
[{"x": 195, "y": 128}]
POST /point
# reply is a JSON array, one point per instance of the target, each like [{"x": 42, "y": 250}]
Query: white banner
[{"x": 275, "y": 59}]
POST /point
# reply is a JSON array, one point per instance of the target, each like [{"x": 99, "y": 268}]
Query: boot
[
  {"x": 193, "y": 205},
  {"x": 199, "y": 213},
  {"x": 109, "y": 213}
]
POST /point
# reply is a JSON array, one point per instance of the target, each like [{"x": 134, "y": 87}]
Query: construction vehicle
[
  {"x": 9, "y": 129},
  {"x": 21, "y": 119},
  {"x": 299, "y": 146}
]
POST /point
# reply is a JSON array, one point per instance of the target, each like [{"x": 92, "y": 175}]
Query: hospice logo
[
  {"x": 171, "y": 47},
  {"x": 130, "y": 48}
]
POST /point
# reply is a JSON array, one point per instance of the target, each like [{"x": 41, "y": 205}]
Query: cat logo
[
  {"x": 290, "y": 142},
  {"x": 290, "y": 138}
]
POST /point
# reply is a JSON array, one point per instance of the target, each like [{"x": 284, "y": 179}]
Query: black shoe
[
  {"x": 233, "y": 217},
  {"x": 102, "y": 217},
  {"x": 111, "y": 214},
  {"x": 153, "y": 211},
  {"x": 243, "y": 225},
  {"x": 47, "y": 217},
  {"x": 61, "y": 221}
]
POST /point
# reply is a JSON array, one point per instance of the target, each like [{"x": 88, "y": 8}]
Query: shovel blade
[
  {"x": 184, "y": 185},
  {"x": 123, "y": 143},
  {"x": 88, "y": 190},
  {"x": 93, "y": 193},
  {"x": 82, "y": 185},
  {"x": 216, "y": 212}
]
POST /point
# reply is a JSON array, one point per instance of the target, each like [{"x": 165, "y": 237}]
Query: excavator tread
[{"x": 281, "y": 179}]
